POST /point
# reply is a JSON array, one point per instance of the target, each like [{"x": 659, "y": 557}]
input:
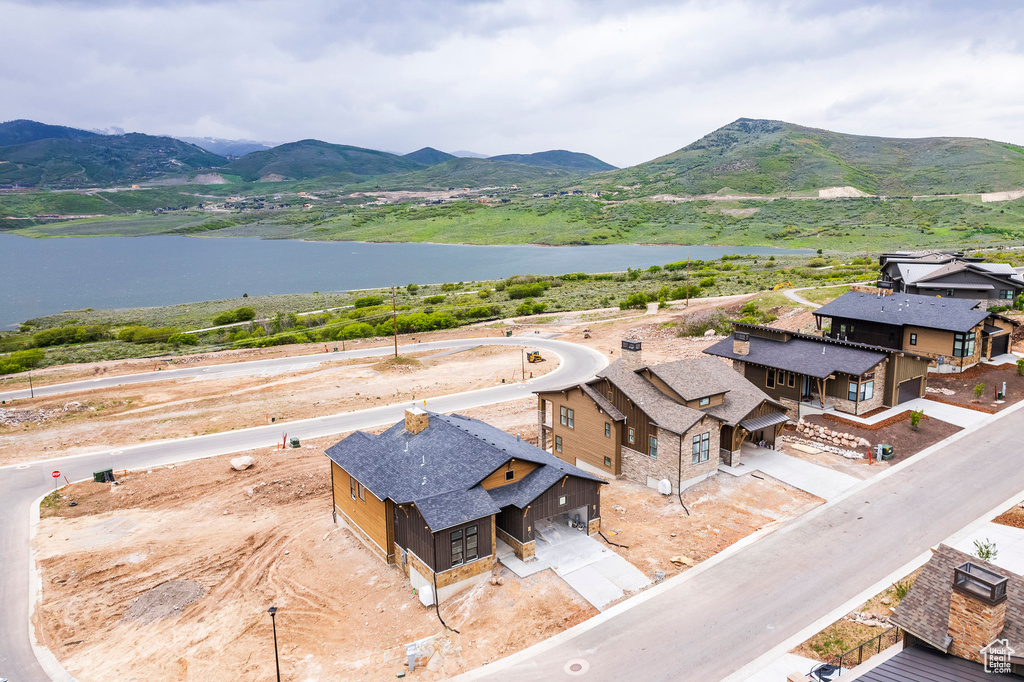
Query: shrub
[
  {"x": 244, "y": 314},
  {"x": 707, "y": 282},
  {"x": 21, "y": 360},
  {"x": 985, "y": 550},
  {"x": 698, "y": 323},
  {"x": 367, "y": 301},
  {"x": 226, "y": 317},
  {"x": 67, "y": 334},
  {"x": 517, "y": 291},
  {"x": 484, "y": 293},
  {"x": 901, "y": 589},
  {"x": 1020, "y": 367},
  {"x": 529, "y": 307},
  {"x": 412, "y": 288},
  {"x": 433, "y": 300},
  {"x": 915, "y": 418},
  {"x": 817, "y": 262},
  {"x": 483, "y": 311},
  {"x": 183, "y": 339},
  {"x": 359, "y": 330},
  {"x": 637, "y": 300},
  {"x": 979, "y": 390}
]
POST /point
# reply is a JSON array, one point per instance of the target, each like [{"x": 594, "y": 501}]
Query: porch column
[{"x": 542, "y": 440}]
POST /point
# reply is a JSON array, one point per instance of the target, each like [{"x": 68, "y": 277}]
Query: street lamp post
[{"x": 273, "y": 610}]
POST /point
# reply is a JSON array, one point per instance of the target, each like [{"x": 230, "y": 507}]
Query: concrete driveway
[
  {"x": 585, "y": 563},
  {"x": 817, "y": 480}
]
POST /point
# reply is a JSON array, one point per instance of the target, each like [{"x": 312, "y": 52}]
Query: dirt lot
[
  {"x": 170, "y": 573},
  {"x": 991, "y": 375},
  {"x": 126, "y": 415},
  {"x": 905, "y": 441}
]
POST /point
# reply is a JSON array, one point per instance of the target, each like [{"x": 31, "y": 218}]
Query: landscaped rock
[{"x": 242, "y": 463}]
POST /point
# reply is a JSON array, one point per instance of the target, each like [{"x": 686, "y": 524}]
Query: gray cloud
[{"x": 625, "y": 81}]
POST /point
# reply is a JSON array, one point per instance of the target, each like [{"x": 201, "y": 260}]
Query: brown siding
[
  {"x": 485, "y": 542},
  {"x": 578, "y": 492},
  {"x": 370, "y": 515},
  {"x": 497, "y": 479},
  {"x": 871, "y": 333},
  {"x": 900, "y": 369},
  {"x": 586, "y": 441},
  {"x": 929, "y": 341},
  {"x": 636, "y": 418},
  {"x": 716, "y": 399},
  {"x": 412, "y": 533},
  {"x": 757, "y": 375}
]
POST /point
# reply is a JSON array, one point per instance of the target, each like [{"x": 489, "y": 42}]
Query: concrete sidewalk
[
  {"x": 959, "y": 416},
  {"x": 817, "y": 480},
  {"x": 1008, "y": 542}
]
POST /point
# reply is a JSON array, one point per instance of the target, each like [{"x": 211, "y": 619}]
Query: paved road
[
  {"x": 710, "y": 626},
  {"x": 793, "y": 296},
  {"x": 233, "y": 369},
  {"x": 21, "y": 485}
]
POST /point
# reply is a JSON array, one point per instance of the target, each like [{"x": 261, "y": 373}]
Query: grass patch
[{"x": 824, "y": 295}]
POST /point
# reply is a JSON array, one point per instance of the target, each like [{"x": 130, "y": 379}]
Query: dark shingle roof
[
  {"x": 924, "y": 612},
  {"x": 923, "y": 664},
  {"x": 816, "y": 358},
  {"x": 932, "y": 312},
  {"x": 700, "y": 377},
  {"x": 664, "y": 411},
  {"x": 440, "y": 468}
]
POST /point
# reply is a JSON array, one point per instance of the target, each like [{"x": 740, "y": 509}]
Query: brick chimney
[
  {"x": 977, "y": 610},
  {"x": 741, "y": 343},
  {"x": 416, "y": 420},
  {"x": 631, "y": 355}
]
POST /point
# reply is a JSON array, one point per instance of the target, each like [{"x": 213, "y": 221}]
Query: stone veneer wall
[
  {"x": 853, "y": 407},
  {"x": 639, "y": 467},
  {"x": 522, "y": 550},
  {"x": 449, "y": 578},
  {"x": 973, "y": 625},
  {"x": 594, "y": 527}
]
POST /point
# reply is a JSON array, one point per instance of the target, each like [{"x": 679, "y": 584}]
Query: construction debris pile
[{"x": 16, "y": 417}]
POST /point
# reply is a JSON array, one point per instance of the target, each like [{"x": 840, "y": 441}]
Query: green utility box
[
  {"x": 103, "y": 476},
  {"x": 294, "y": 442},
  {"x": 508, "y": 332},
  {"x": 885, "y": 452}
]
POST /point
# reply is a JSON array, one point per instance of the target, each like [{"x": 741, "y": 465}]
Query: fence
[{"x": 854, "y": 657}]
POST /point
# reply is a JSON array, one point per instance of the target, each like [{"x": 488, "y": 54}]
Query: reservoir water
[{"x": 45, "y": 276}]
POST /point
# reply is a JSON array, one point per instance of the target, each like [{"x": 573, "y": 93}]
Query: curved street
[{"x": 22, "y": 485}]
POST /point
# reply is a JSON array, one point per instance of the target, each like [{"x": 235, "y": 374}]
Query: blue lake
[{"x": 44, "y": 276}]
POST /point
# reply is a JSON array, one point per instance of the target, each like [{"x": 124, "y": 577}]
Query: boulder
[{"x": 242, "y": 463}]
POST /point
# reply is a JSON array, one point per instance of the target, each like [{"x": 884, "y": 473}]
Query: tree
[{"x": 979, "y": 390}]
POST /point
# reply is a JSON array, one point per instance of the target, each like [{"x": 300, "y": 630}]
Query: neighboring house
[
  {"x": 434, "y": 494},
  {"x": 669, "y": 422},
  {"x": 797, "y": 368},
  {"x": 963, "y": 619},
  {"x": 950, "y": 275},
  {"x": 954, "y": 332}
]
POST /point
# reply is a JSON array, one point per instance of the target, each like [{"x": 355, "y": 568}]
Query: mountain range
[{"x": 750, "y": 156}]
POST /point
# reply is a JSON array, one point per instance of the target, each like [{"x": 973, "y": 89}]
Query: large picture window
[
  {"x": 867, "y": 390},
  {"x": 1006, "y": 293},
  {"x": 701, "y": 448},
  {"x": 963, "y": 345}
]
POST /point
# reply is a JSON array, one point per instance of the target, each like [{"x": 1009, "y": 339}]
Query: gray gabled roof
[
  {"x": 816, "y": 358},
  {"x": 699, "y": 377},
  {"x": 931, "y": 312},
  {"x": 662, "y": 410},
  {"x": 923, "y": 664},
  {"x": 440, "y": 468},
  {"x": 924, "y": 612}
]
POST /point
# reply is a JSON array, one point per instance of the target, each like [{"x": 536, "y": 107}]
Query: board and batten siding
[
  {"x": 586, "y": 441},
  {"x": 636, "y": 418},
  {"x": 578, "y": 492},
  {"x": 434, "y": 549},
  {"x": 758, "y": 375},
  {"x": 904, "y": 368},
  {"x": 372, "y": 516}
]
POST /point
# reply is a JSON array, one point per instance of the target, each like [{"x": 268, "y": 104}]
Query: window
[
  {"x": 949, "y": 293},
  {"x": 769, "y": 380},
  {"x": 867, "y": 390},
  {"x": 1005, "y": 293},
  {"x": 471, "y": 543},
  {"x": 704, "y": 402},
  {"x": 558, "y": 443},
  {"x": 701, "y": 448},
  {"x": 607, "y": 430},
  {"x": 457, "y": 554},
  {"x": 570, "y": 425},
  {"x": 632, "y": 435},
  {"x": 913, "y": 339},
  {"x": 561, "y": 501},
  {"x": 852, "y": 392},
  {"x": 352, "y": 487},
  {"x": 892, "y": 337},
  {"x": 963, "y": 345},
  {"x": 510, "y": 475},
  {"x": 362, "y": 492},
  {"x": 607, "y": 461},
  {"x": 791, "y": 379},
  {"x": 652, "y": 450},
  {"x": 565, "y": 416}
]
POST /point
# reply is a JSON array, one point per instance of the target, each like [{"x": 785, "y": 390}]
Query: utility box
[
  {"x": 884, "y": 452},
  {"x": 105, "y": 476},
  {"x": 294, "y": 442}
]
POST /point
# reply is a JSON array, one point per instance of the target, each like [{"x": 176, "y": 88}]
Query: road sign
[{"x": 56, "y": 474}]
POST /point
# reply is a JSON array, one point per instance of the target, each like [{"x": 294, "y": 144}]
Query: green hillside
[
  {"x": 468, "y": 172},
  {"x": 313, "y": 158},
  {"x": 558, "y": 158},
  {"x": 428, "y": 156},
  {"x": 22, "y": 131},
  {"x": 772, "y": 157},
  {"x": 101, "y": 160}
]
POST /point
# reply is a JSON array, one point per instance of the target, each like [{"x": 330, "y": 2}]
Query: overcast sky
[{"x": 625, "y": 81}]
